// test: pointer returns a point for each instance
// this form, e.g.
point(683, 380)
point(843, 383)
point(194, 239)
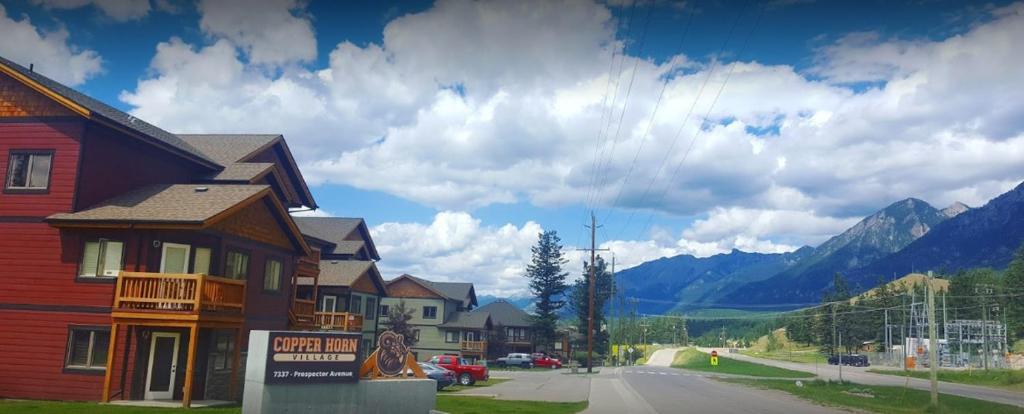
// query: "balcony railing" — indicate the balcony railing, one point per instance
point(338, 321)
point(179, 293)
point(474, 346)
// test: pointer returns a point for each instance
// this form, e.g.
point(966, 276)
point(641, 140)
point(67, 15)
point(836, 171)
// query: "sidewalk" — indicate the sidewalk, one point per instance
point(610, 394)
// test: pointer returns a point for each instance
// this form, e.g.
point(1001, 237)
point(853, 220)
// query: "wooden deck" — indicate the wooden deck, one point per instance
point(182, 297)
point(473, 347)
point(338, 321)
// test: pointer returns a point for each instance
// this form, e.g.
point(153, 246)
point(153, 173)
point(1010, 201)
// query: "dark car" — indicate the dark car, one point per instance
point(854, 360)
point(443, 376)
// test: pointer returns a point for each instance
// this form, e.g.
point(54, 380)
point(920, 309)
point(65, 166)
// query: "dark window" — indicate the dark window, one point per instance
point(101, 258)
point(272, 276)
point(224, 350)
point(430, 312)
point(384, 310)
point(87, 348)
point(29, 170)
point(236, 265)
point(357, 305)
point(451, 336)
point(371, 308)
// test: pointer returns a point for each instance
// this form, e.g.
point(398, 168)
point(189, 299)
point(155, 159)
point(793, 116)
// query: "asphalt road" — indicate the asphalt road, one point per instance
point(668, 390)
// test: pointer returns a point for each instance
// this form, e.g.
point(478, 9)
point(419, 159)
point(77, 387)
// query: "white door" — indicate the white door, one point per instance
point(329, 304)
point(163, 362)
point(175, 258)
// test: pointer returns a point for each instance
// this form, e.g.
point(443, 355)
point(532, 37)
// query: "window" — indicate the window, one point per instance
point(516, 334)
point(384, 311)
point(29, 170)
point(101, 258)
point(224, 350)
point(416, 334)
point(201, 263)
point(236, 265)
point(558, 345)
point(430, 312)
point(371, 308)
point(87, 348)
point(272, 277)
point(451, 336)
point(357, 305)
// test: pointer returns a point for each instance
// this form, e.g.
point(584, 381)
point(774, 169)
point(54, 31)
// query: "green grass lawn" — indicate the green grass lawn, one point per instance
point(495, 368)
point(879, 399)
point(1004, 378)
point(803, 357)
point(456, 387)
point(60, 407)
point(480, 405)
point(693, 359)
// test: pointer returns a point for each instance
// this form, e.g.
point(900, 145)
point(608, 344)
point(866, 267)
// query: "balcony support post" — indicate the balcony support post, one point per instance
point(236, 360)
point(190, 363)
point(109, 374)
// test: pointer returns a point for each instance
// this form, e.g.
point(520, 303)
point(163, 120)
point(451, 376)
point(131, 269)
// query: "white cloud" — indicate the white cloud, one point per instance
point(469, 104)
point(270, 31)
point(118, 10)
point(455, 247)
point(50, 52)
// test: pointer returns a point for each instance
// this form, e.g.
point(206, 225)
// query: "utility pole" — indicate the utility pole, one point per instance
point(592, 281)
point(611, 311)
point(933, 343)
point(984, 326)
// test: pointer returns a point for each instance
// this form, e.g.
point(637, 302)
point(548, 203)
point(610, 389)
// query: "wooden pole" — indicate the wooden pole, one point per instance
point(590, 307)
point(186, 401)
point(108, 376)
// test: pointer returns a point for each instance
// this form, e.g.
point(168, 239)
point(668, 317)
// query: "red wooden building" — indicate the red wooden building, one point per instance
point(134, 261)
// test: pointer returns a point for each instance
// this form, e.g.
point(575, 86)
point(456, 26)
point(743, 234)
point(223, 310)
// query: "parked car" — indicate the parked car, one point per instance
point(465, 373)
point(516, 360)
point(546, 361)
point(854, 360)
point(443, 376)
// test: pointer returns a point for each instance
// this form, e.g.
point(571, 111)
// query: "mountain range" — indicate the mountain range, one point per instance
point(906, 236)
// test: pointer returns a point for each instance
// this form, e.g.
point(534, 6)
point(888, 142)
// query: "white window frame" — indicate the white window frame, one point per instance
point(90, 364)
point(101, 259)
point(334, 303)
point(163, 256)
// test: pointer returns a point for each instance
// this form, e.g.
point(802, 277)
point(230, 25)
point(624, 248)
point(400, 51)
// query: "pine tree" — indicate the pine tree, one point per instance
point(580, 301)
point(398, 322)
point(547, 283)
point(1013, 284)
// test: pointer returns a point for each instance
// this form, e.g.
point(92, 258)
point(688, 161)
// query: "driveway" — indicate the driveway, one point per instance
point(555, 386)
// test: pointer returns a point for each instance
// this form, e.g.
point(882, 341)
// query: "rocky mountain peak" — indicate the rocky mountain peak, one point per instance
point(954, 209)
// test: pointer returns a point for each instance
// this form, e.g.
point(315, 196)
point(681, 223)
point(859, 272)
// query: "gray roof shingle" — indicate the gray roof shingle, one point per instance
point(166, 203)
point(228, 148)
point(459, 291)
point(467, 320)
point(343, 272)
point(334, 230)
point(157, 136)
point(504, 313)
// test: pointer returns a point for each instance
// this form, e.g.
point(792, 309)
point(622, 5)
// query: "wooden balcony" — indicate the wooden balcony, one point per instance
point(182, 297)
point(302, 314)
point(473, 347)
point(338, 321)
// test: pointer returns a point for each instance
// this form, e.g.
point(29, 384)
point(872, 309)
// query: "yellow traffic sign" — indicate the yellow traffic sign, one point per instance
point(714, 361)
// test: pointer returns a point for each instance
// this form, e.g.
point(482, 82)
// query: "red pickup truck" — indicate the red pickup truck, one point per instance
point(465, 373)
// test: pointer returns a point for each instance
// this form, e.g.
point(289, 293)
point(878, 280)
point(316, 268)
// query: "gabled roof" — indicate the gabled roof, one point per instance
point(236, 153)
point(335, 230)
point(167, 203)
point(94, 109)
point(504, 313)
point(468, 320)
point(179, 206)
point(459, 291)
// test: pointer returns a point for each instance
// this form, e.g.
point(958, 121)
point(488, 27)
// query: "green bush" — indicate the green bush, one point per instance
point(1018, 347)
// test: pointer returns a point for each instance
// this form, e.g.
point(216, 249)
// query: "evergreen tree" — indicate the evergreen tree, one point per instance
point(1013, 285)
point(398, 322)
point(547, 283)
point(580, 301)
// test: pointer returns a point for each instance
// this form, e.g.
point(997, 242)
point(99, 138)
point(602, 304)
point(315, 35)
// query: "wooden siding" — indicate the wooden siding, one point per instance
point(113, 164)
point(256, 222)
point(61, 136)
point(364, 283)
point(18, 100)
point(32, 351)
point(406, 288)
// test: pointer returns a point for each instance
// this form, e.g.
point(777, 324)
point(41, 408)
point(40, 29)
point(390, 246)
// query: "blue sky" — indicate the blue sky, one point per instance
point(459, 129)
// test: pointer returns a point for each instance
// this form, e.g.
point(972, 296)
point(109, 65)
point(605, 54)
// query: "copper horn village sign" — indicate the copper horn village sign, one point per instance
point(391, 359)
